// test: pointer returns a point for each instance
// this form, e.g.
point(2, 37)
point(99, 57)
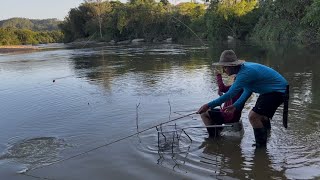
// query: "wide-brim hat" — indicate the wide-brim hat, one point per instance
point(228, 58)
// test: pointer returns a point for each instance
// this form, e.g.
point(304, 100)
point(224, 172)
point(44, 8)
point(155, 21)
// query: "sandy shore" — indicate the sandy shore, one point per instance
point(18, 49)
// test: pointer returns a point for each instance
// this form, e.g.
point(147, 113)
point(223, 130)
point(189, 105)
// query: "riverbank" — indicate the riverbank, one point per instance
point(18, 49)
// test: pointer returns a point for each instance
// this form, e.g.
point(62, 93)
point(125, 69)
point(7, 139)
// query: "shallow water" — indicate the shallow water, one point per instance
point(74, 114)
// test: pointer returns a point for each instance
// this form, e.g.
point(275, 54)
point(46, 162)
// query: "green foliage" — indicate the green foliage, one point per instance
point(311, 33)
point(165, 2)
point(192, 10)
point(26, 36)
point(137, 19)
point(284, 21)
point(312, 17)
point(232, 8)
point(31, 24)
point(122, 20)
point(281, 20)
point(16, 31)
point(232, 18)
point(7, 37)
point(14, 36)
point(262, 20)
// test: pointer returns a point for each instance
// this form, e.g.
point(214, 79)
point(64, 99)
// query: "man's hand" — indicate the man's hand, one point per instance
point(203, 109)
point(229, 109)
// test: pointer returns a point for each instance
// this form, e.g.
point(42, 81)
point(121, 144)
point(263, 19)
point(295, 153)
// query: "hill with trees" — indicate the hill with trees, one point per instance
point(17, 31)
point(31, 24)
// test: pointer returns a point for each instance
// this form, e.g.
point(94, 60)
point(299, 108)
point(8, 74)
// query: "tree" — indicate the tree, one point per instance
point(99, 9)
point(234, 18)
point(165, 2)
point(281, 20)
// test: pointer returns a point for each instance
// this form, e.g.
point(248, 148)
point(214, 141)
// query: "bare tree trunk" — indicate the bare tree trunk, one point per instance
point(100, 26)
point(100, 16)
point(98, 13)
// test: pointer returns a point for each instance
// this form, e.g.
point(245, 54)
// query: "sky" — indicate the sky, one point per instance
point(37, 9)
point(42, 9)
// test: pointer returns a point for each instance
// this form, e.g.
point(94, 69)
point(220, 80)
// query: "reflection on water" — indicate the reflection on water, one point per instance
point(88, 97)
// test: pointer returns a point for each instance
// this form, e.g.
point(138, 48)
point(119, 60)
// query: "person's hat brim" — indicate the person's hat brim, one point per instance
point(235, 63)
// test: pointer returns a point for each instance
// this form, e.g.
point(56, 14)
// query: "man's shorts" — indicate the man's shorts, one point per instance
point(268, 103)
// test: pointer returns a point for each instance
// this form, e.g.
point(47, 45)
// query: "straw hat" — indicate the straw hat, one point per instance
point(228, 58)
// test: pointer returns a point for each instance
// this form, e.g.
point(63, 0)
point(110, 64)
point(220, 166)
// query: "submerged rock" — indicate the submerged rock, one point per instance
point(138, 40)
point(124, 42)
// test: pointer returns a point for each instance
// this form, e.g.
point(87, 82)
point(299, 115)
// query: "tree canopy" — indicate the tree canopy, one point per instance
point(103, 20)
point(31, 24)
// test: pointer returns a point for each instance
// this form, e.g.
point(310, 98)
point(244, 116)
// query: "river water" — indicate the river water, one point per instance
point(75, 113)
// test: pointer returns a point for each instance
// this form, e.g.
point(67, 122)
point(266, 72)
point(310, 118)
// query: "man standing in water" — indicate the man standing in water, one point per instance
point(252, 77)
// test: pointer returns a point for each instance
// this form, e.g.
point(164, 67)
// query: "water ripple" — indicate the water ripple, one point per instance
point(35, 151)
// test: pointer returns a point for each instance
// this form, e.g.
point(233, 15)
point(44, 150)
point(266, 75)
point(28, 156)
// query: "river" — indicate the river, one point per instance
point(75, 113)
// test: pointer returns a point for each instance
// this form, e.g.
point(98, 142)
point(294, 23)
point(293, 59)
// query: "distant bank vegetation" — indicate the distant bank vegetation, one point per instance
point(16, 31)
point(261, 20)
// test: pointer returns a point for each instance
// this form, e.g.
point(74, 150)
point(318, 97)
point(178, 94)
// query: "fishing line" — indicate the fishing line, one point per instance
point(192, 110)
point(123, 138)
point(107, 144)
point(190, 30)
point(88, 40)
point(36, 177)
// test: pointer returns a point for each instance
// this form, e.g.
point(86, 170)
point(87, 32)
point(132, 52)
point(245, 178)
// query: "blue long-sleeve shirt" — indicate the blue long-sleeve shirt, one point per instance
point(252, 77)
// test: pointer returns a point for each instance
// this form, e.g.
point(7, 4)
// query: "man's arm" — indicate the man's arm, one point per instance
point(233, 91)
point(242, 81)
point(243, 98)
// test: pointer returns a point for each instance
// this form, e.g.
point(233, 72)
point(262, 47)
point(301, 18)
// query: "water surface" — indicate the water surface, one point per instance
point(61, 103)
